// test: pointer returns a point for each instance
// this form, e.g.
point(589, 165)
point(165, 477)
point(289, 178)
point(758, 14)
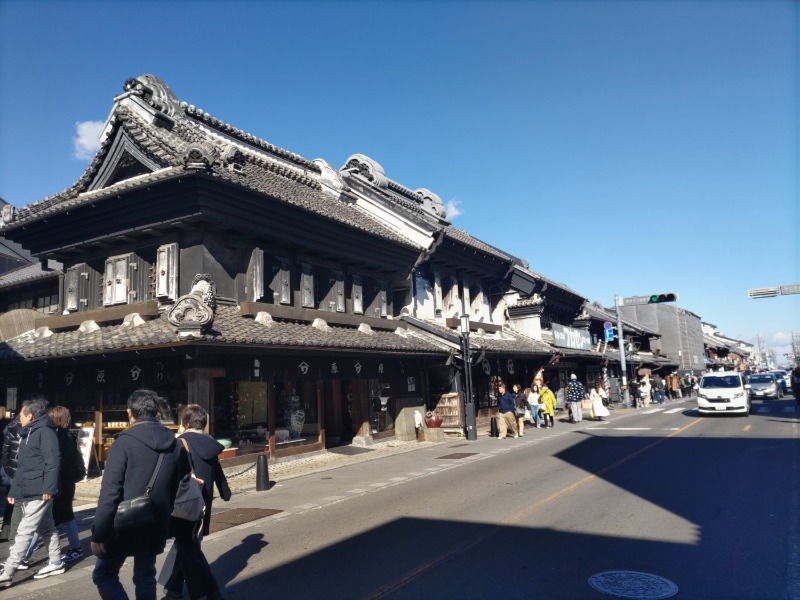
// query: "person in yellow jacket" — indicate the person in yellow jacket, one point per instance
point(548, 404)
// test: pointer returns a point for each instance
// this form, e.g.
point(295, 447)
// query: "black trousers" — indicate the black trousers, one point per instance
point(190, 559)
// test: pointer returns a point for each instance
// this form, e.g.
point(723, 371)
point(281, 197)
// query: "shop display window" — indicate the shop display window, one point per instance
point(381, 406)
point(297, 413)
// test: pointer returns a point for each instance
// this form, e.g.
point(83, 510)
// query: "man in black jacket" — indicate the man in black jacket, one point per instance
point(131, 462)
point(34, 485)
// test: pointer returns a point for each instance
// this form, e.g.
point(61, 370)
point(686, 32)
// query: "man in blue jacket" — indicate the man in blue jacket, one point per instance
point(131, 463)
point(34, 485)
point(505, 413)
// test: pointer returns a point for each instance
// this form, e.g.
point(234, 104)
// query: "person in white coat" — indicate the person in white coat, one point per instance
point(644, 390)
point(597, 395)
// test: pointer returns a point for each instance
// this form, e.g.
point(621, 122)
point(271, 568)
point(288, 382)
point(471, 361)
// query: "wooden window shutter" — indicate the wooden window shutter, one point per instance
point(285, 282)
point(340, 300)
point(167, 271)
point(358, 296)
point(115, 282)
point(71, 288)
point(382, 297)
point(255, 275)
point(307, 286)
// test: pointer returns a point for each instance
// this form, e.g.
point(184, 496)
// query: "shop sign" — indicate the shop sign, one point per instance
point(567, 337)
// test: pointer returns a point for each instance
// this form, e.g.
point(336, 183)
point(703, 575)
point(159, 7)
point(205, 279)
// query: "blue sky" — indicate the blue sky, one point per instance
point(621, 147)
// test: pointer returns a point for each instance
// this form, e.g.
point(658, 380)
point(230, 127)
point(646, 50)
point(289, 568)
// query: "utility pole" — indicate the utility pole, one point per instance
point(626, 393)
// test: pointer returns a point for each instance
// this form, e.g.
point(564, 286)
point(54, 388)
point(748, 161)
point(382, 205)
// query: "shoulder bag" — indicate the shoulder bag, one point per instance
point(140, 511)
point(189, 504)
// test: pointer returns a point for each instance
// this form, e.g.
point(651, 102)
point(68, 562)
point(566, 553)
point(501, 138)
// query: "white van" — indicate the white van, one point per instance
point(723, 392)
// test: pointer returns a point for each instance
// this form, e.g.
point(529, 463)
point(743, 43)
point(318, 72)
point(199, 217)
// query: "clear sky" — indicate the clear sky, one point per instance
point(621, 147)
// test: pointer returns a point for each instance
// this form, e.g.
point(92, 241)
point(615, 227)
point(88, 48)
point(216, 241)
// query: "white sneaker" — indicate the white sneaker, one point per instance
point(50, 569)
point(5, 580)
point(23, 565)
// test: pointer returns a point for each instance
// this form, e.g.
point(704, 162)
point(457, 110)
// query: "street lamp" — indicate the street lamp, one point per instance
point(470, 423)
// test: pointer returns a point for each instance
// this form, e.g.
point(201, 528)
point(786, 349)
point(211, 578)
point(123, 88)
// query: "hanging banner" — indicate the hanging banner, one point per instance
point(85, 436)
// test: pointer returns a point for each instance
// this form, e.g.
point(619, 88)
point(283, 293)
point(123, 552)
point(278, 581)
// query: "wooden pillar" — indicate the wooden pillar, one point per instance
point(361, 424)
point(199, 388)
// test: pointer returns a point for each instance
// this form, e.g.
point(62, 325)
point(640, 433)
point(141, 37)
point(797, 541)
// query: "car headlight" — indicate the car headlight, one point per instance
point(702, 396)
point(738, 395)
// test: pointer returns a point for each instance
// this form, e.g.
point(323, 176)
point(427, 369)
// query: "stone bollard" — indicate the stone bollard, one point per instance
point(262, 473)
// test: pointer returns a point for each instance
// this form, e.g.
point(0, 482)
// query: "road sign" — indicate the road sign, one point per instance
point(608, 325)
point(763, 292)
point(632, 300)
point(790, 289)
point(609, 335)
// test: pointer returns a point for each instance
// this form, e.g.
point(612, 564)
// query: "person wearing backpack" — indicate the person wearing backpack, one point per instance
point(190, 566)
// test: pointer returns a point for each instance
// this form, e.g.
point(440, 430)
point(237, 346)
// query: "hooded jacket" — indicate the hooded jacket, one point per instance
point(205, 450)
point(131, 462)
point(38, 461)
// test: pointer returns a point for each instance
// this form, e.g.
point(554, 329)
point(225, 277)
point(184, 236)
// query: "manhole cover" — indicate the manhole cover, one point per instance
point(457, 455)
point(238, 516)
point(633, 584)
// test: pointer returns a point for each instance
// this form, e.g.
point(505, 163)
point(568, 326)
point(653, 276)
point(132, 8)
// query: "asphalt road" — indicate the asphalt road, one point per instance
point(707, 506)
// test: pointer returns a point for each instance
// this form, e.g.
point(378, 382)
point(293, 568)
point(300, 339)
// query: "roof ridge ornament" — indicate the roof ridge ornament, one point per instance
point(332, 181)
point(156, 93)
point(432, 203)
point(371, 170)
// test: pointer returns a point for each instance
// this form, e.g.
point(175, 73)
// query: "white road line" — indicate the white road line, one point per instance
point(331, 499)
point(652, 411)
point(377, 485)
point(398, 479)
point(674, 410)
point(631, 428)
point(357, 491)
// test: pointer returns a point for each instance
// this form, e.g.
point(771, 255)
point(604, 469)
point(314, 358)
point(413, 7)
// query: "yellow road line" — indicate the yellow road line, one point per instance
point(427, 566)
point(747, 428)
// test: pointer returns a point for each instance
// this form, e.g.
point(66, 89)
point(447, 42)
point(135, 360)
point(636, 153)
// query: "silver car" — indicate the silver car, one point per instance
point(764, 385)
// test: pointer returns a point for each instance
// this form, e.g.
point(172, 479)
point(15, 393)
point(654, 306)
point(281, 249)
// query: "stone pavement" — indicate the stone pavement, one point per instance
point(243, 478)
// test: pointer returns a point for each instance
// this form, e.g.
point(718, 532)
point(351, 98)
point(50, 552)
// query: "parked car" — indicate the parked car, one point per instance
point(783, 380)
point(723, 391)
point(765, 385)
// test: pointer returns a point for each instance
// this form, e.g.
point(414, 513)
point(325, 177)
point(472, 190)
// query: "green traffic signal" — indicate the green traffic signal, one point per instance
point(659, 298)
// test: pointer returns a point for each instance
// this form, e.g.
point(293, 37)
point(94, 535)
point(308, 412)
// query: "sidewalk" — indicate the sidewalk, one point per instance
point(243, 478)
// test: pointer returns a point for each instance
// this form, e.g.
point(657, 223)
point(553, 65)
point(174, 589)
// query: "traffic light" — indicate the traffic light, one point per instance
point(659, 298)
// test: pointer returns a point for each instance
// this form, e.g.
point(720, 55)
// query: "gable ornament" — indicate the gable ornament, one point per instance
point(194, 312)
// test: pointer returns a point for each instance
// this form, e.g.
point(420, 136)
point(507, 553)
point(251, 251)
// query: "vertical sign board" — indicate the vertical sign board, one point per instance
point(85, 437)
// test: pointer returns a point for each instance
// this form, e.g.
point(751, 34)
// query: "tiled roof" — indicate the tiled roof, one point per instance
point(506, 341)
point(548, 281)
point(228, 327)
point(29, 273)
point(473, 242)
point(265, 168)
